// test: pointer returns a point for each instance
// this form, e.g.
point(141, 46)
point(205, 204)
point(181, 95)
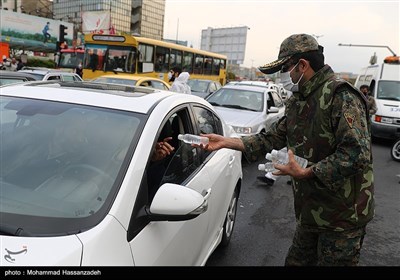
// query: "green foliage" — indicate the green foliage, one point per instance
point(36, 62)
point(230, 76)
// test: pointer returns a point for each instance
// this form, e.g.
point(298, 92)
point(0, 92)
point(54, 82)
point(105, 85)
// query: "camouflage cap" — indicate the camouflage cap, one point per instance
point(294, 44)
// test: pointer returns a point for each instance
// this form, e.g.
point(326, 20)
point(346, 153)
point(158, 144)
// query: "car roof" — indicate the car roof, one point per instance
point(246, 87)
point(127, 98)
point(253, 83)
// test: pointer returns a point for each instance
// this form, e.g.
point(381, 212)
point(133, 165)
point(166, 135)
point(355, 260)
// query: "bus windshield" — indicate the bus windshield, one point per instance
point(110, 58)
point(70, 58)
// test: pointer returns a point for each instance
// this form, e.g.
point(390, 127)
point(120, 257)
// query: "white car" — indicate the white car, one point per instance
point(46, 74)
point(283, 93)
point(78, 186)
point(249, 109)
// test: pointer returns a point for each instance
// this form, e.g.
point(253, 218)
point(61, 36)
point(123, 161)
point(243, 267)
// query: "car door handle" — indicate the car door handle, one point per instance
point(231, 160)
point(206, 194)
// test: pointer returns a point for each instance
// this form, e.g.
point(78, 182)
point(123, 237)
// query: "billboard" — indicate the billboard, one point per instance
point(22, 31)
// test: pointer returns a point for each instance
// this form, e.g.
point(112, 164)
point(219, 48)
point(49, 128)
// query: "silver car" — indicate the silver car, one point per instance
point(248, 109)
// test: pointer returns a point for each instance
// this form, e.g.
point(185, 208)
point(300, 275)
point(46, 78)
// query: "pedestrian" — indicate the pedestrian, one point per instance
point(326, 122)
point(174, 73)
point(20, 64)
point(371, 100)
point(78, 70)
point(6, 64)
point(46, 33)
point(14, 64)
point(180, 84)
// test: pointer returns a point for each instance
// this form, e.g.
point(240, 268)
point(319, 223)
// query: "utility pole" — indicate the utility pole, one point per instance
point(369, 46)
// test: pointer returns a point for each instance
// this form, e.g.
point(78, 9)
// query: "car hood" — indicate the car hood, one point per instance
point(236, 117)
point(40, 251)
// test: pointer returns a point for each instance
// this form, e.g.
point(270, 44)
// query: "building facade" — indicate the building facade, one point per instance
point(228, 41)
point(139, 17)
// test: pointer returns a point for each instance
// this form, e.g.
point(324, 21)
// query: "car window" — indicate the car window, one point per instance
point(68, 78)
point(54, 77)
point(277, 99)
point(207, 122)
point(65, 157)
point(158, 85)
point(184, 160)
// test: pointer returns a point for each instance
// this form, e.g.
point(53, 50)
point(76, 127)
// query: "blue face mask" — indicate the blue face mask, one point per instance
point(287, 81)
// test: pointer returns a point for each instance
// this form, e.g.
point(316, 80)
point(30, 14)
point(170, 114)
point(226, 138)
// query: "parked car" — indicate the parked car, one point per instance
point(46, 74)
point(133, 80)
point(11, 77)
point(284, 94)
point(249, 109)
point(79, 185)
point(203, 88)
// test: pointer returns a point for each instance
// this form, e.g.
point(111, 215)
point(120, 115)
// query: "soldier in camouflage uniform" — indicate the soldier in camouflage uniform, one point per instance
point(326, 122)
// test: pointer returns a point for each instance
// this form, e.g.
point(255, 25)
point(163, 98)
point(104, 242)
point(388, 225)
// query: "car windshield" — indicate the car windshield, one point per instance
point(118, 81)
point(238, 99)
point(198, 85)
point(389, 90)
point(60, 160)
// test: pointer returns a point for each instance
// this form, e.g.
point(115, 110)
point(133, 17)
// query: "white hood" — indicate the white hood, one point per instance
point(40, 251)
point(236, 117)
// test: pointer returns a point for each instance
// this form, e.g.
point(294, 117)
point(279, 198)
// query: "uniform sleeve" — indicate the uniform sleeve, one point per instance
point(353, 153)
point(256, 146)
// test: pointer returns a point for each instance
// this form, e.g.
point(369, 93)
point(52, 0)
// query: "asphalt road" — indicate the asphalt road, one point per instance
point(265, 220)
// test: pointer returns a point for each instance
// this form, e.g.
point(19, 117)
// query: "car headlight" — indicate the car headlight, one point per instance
point(242, 130)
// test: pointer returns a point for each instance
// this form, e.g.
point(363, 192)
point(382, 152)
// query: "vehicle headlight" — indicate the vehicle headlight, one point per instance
point(242, 130)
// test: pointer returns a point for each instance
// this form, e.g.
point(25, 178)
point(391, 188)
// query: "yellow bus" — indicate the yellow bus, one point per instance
point(107, 54)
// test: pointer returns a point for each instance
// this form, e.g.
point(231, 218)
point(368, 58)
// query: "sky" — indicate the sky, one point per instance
point(356, 22)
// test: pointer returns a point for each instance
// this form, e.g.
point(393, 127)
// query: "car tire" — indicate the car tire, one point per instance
point(395, 150)
point(230, 218)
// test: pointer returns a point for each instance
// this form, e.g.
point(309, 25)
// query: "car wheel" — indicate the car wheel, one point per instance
point(395, 150)
point(230, 219)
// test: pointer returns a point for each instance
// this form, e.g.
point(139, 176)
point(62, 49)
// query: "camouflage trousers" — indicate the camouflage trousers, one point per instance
point(325, 248)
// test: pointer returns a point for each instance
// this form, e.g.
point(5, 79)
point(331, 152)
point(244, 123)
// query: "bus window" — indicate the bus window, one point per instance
point(216, 64)
point(146, 63)
point(207, 66)
point(198, 64)
point(187, 62)
point(176, 59)
point(162, 55)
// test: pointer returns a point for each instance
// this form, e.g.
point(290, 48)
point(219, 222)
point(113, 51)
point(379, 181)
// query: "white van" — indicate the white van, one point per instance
point(384, 82)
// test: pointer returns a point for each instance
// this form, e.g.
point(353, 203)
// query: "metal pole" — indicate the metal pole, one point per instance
point(372, 46)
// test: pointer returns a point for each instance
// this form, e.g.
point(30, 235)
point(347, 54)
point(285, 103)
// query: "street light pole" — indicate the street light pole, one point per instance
point(370, 46)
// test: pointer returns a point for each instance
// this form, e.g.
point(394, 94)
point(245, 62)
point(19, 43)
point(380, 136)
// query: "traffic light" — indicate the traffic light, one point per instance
point(63, 33)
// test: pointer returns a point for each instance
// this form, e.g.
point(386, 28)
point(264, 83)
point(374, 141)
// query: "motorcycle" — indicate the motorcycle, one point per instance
point(395, 150)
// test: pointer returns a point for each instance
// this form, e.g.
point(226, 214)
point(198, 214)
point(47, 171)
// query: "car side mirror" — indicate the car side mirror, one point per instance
point(273, 109)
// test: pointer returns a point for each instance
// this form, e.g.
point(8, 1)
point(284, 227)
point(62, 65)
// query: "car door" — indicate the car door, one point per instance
point(220, 166)
point(172, 242)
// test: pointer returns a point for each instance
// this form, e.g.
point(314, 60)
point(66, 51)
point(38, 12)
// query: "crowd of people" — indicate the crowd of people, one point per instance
point(13, 64)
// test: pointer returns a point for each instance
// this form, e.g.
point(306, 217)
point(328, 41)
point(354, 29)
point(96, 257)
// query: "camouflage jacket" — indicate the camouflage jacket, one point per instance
point(327, 123)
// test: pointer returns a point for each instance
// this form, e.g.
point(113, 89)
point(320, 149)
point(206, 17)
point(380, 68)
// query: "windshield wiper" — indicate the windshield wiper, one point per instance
point(235, 106)
point(13, 230)
point(215, 104)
